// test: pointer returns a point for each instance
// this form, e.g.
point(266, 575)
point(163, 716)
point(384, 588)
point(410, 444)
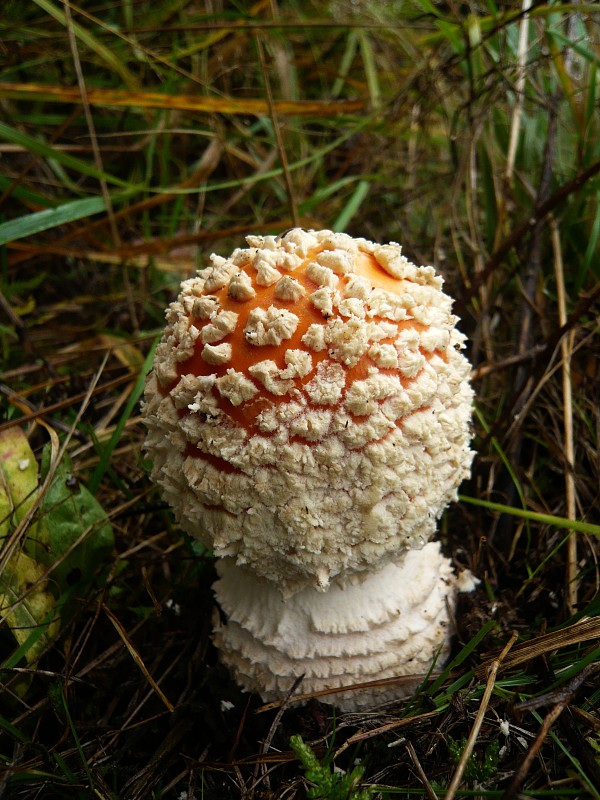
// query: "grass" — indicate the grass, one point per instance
point(135, 139)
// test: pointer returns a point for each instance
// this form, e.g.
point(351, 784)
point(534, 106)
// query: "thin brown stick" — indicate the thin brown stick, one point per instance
point(537, 214)
point(489, 688)
point(56, 454)
point(90, 121)
point(32, 413)
point(277, 131)
point(261, 773)
point(398, 680)
point(521, 773)
point(153, 247)
point(137, 658)
point(566, 348)
point(421, 772)
point(372, 733)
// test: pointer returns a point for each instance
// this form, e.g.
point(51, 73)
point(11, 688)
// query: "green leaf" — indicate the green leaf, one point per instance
point(459, 659)
point(67, 541)
point(77, 536)
point(50, 218)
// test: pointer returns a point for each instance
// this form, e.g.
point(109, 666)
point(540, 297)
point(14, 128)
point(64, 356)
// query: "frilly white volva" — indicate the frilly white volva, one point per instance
point(308, 419)
point(390, 623)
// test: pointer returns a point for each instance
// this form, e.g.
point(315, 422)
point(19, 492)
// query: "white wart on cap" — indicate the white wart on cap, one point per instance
point(309, 409)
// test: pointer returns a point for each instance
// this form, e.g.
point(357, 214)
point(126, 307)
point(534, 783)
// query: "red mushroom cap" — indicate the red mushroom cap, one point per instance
point(309, 408)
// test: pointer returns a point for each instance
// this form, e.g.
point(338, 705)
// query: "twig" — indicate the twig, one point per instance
point(510, 361)
point(563, 697)
point(563, 694)
point(539, 213)
point(371, 733)
point(523, 377)
point(137, 658)
point(266, 745)
point(584, 305)
point(566, 348)
point(90, 121)
point(421, 772)
point(57, 453)
point(396, 680)
point(457, 777)
point(33, 413)
point(277, 131)
point(521, 773)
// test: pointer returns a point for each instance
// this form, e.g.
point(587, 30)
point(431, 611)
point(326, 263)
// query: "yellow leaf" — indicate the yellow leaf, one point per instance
point(27, 606)
point(18, 478)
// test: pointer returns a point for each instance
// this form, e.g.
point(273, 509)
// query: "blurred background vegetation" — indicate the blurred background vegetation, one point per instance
point(135, 139)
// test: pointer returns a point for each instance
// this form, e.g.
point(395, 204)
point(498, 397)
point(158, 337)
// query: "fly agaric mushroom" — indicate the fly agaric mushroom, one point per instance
point(308, 419)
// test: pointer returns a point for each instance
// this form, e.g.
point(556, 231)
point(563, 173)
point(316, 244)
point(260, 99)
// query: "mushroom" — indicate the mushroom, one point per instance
point(308, 419)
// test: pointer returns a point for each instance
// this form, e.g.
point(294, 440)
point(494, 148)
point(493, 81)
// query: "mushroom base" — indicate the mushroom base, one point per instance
point(394, 623)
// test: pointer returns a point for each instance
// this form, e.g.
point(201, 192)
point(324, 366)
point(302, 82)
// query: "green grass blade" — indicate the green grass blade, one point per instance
point(534, 516)
point(577, 766)
point(107, 451)
point(591, 97)
point(76, 739)
point(346, 63)
point(39, 148)
point(570, 672)
point(503, 457)
point(370, 66)
point(429, 7)
point(352, 206)
point(591, 251)
point(88, 39)
point(26, 194)
point(462, 656)
point(35, 637)
point(9, 728)
point(49, 218)
point(578, 48)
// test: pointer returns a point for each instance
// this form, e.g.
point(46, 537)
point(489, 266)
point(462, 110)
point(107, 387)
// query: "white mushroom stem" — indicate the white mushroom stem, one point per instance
point(390, 623)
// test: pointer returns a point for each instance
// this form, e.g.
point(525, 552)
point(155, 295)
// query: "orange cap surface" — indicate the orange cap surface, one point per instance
point(314, 294)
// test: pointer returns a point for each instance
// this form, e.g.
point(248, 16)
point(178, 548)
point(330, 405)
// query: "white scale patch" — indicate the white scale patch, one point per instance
point(270, 326)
